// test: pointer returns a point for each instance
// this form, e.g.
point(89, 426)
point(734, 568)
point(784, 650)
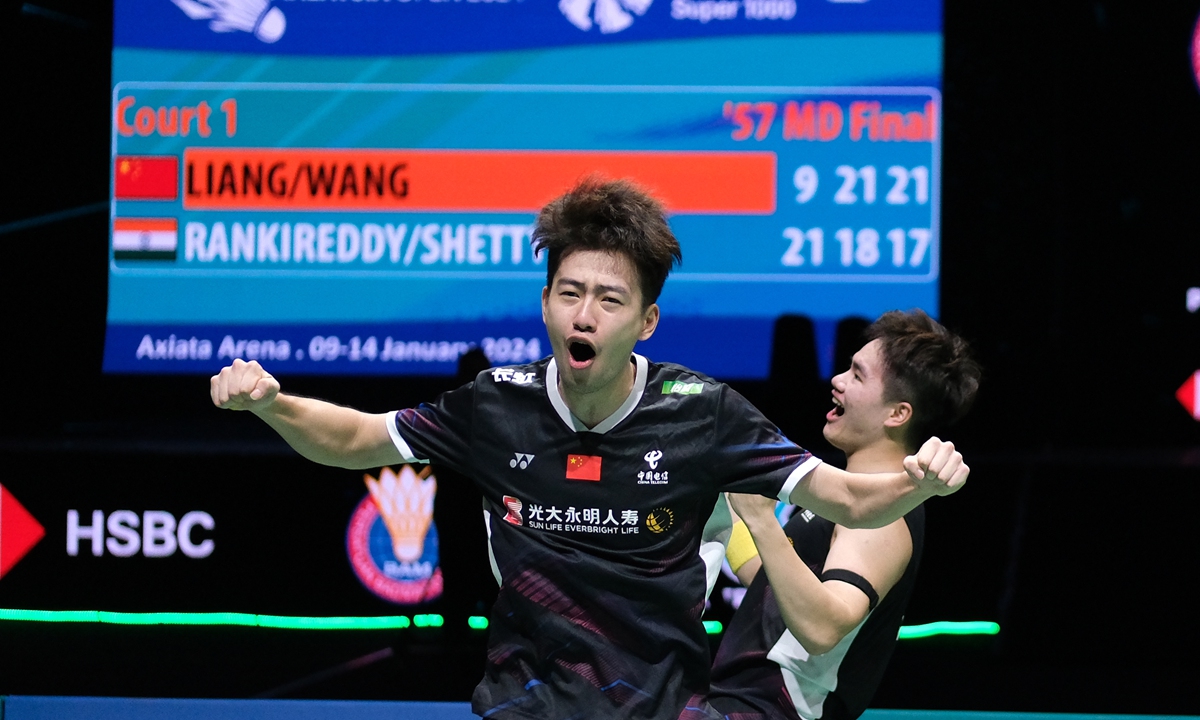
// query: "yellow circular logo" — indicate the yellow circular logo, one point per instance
point(659, 520)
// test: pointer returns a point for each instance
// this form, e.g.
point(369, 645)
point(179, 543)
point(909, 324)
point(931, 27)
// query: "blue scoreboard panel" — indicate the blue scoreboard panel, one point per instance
point(336, 187)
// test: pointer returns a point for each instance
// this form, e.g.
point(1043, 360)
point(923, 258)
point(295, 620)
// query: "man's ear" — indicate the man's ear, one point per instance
point(545, 299)
point(899, 416)
point(650, 322)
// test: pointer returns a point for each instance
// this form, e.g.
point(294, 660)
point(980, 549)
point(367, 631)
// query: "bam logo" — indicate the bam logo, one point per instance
point(19, 531)
point(610, 15)
point(392, 540)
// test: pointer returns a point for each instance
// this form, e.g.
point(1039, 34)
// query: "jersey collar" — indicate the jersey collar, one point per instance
point(560, 405)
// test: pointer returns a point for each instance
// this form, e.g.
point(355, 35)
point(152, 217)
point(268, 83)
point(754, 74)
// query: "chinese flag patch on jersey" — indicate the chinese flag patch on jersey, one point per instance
point(583, 467)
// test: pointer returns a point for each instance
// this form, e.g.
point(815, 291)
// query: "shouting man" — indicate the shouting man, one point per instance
point(599, 471)
point(815, 630)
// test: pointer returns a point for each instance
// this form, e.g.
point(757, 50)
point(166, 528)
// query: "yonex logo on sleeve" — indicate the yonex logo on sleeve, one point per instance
point(513, 376)
point(521, 460)
point(674, 387)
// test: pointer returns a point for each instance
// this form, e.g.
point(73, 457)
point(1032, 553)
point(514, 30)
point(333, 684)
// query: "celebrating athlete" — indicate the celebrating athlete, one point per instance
point(814, 631)
point(599, 471)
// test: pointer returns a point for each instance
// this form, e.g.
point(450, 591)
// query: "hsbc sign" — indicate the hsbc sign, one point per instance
point(123, 533)
point(137, 541)
point(154, 533)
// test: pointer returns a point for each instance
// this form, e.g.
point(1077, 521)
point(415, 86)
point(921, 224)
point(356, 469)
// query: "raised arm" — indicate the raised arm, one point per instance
point(821, 613)
point(865, 500)
point(320, 431)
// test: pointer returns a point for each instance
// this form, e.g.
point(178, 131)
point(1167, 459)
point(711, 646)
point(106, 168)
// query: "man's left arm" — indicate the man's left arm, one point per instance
point(873, 500)
point(861, 567)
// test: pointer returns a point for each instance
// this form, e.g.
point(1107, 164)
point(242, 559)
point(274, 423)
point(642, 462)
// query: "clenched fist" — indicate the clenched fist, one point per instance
point(937, 467)
point(243, 386)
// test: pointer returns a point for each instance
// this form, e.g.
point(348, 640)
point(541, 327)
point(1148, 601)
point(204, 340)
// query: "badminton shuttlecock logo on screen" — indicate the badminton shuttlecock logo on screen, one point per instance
point(405, 502)
point(609, 15)
point(392, 541)
point(253, 16)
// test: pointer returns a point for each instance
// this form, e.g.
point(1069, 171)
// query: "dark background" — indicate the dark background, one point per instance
point(1071, 230)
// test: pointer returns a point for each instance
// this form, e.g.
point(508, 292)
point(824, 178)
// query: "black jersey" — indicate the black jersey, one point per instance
point(597, 537)
point(762, 671)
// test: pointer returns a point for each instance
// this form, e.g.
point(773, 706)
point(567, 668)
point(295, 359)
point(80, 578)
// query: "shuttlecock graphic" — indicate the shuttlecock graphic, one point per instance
point(405, 502)
point(610, 15)
point(253, 16)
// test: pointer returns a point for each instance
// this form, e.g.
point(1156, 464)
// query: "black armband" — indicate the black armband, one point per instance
point(854, 579)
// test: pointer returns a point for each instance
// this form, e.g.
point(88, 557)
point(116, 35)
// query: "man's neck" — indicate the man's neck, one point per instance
point(593, 408)
point(880, 457)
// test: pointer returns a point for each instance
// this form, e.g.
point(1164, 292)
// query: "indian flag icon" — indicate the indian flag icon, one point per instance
point(145, 238)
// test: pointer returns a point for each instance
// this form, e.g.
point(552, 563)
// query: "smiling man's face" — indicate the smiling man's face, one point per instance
point(862, 414)
point(594, 316)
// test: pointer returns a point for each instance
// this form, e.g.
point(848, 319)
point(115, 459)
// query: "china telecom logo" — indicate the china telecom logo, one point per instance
point(610, 15)
point(392, 541)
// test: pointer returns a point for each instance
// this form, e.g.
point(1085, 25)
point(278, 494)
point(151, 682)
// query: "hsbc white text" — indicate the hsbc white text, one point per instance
point(159, 534)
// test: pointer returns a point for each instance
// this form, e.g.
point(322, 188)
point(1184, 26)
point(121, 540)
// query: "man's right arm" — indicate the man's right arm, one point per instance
point(874, 500)
point(320, 431)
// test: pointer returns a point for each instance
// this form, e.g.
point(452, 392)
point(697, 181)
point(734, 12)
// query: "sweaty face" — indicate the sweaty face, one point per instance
point(594, 316)
point(859, 412)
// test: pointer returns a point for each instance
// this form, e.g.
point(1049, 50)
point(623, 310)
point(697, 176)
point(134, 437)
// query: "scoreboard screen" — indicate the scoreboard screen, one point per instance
point(349, 187)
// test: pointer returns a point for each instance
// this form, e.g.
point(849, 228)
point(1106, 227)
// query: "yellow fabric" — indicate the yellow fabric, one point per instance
point(740, 549)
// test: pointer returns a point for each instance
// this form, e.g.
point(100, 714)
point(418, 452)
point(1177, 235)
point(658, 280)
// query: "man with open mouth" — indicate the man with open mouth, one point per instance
point(824, 602)
point(600, 473)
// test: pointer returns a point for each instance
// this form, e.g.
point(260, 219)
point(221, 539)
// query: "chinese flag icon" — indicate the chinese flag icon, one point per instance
point(146, 177)
point(583, 467)
point(19, 531)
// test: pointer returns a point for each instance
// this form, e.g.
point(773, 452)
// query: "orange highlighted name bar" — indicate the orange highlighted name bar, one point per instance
point(467, 180)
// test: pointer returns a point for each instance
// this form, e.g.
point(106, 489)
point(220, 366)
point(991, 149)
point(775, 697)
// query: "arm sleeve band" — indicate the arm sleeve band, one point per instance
point(801, 471)
point(397, 440)
point(854, 579)
point(741, 547)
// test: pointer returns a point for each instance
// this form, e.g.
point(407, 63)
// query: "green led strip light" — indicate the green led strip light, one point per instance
point(426, 620)
point(391, 622)
point(243, 619)
point(913, 632)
